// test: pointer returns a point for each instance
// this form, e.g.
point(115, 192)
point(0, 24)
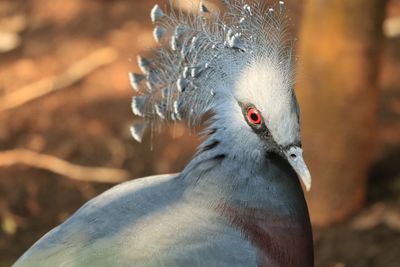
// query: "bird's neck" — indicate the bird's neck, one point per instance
point(246, 180)
point(264, 200)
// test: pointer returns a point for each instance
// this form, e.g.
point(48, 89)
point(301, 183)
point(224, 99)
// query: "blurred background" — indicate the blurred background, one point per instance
point(65, 114)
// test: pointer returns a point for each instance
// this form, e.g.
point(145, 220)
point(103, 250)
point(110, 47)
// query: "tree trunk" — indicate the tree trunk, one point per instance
point(339, 53)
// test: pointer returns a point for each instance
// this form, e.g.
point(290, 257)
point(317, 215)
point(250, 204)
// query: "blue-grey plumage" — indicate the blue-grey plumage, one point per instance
point(239, 201)
point(197, 218)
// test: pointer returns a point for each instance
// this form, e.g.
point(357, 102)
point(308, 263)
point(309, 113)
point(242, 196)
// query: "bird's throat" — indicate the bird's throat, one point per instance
point(274, 217)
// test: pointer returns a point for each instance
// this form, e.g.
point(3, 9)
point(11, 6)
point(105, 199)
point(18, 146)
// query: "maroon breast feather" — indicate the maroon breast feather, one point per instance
point(281, 240)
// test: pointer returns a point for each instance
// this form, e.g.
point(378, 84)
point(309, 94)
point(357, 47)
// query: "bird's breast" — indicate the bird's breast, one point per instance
point(279, 239)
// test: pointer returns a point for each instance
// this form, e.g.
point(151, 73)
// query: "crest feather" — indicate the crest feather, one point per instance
point(201, 55)
point(138, 130)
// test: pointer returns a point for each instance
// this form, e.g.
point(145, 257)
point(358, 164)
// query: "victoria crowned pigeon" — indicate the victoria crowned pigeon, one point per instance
point(239, 201)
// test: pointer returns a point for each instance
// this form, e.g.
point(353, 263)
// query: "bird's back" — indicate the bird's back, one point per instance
point(147, 222)
point(108, 214)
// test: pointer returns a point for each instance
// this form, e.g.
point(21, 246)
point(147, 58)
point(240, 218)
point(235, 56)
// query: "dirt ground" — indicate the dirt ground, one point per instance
point(87, 124)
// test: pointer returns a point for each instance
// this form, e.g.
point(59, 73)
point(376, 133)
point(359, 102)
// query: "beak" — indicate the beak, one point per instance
point(294, 156)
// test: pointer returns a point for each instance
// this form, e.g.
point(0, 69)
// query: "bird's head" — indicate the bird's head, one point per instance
point(261, 116)
point(238, 67)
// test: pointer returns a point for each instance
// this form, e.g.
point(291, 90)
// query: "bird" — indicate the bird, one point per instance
point(239, 201)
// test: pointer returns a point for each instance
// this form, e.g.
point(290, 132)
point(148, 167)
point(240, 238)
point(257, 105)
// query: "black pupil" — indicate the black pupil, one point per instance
point(254, 116)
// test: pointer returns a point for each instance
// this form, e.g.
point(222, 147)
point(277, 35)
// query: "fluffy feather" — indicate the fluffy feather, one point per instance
point(202, 56)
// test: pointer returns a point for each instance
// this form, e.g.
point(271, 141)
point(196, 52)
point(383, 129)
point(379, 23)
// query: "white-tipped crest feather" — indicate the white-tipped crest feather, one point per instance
point(144, 65)
point(206, 56)
point(156, 14)
point(135, 80)
point(138, 130)
point(139, 105)
point(158, 33)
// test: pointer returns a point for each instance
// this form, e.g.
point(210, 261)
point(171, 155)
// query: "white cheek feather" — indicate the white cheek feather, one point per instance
point(270, 89)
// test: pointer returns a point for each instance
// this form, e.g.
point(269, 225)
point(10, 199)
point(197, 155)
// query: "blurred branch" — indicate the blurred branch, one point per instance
point(62, 167)
point(392, 27)
point(10, 29)
point(47, 85)
point(378, 214)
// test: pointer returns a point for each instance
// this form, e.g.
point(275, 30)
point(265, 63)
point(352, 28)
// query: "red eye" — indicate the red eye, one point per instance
point(253, 116)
